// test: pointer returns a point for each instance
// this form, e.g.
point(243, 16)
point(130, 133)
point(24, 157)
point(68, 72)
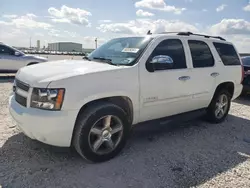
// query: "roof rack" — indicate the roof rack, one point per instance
point(190, 33)
point(149, 32)
point(206, 36)
point(171, 32)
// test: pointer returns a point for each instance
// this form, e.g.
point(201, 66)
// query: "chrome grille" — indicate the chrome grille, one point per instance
point(21, 92)
point(22, 86)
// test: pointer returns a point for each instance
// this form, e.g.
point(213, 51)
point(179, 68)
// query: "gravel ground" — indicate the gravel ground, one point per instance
point(191, 154)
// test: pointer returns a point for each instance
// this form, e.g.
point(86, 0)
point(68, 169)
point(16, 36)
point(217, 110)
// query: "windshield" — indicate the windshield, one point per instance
point(16, 50)
point(246, 61)
point(121, 51)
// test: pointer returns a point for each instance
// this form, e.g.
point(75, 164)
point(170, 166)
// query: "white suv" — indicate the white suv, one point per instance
point(92, 104)
point(12, 59)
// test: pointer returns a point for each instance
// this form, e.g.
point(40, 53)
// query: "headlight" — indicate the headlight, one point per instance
point(47, 99)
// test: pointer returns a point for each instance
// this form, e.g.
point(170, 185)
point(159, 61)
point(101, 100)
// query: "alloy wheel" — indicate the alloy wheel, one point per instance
point(221, 106)
point(105, 134)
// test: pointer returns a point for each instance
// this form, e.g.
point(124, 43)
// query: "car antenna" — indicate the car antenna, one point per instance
point(149, 32)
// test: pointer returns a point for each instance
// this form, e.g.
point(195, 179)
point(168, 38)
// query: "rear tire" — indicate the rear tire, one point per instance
point(219, 107)
point(101, 132)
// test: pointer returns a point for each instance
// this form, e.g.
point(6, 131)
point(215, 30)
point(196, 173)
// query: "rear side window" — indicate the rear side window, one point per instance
point(201, 54)
point(246, 61)
point(227, 54)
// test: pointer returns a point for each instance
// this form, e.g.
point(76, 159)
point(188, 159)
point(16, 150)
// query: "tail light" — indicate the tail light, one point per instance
point(242, 74)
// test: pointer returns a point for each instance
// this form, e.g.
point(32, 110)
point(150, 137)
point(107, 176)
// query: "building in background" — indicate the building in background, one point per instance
point(65, 47)
point(38, 44)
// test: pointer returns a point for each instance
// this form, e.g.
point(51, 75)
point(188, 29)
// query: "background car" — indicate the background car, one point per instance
point(12, 59)
point(246, 81)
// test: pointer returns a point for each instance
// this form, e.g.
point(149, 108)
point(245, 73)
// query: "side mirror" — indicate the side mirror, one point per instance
point(17, 53)
point(160, 62)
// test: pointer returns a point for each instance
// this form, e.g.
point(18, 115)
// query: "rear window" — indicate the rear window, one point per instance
point(227, 54)
point(246, 61)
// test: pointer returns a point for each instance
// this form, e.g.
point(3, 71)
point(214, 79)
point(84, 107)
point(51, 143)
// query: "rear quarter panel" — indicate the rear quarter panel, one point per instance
point(232, 73)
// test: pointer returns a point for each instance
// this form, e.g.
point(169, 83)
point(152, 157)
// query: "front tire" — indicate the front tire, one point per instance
point(101, 132)
point(219, 107)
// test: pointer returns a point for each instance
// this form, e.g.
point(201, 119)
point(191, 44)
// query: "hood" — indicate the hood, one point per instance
point(56, 70)
point(33, 57)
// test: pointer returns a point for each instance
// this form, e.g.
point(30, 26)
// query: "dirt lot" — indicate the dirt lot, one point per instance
point(193, 154)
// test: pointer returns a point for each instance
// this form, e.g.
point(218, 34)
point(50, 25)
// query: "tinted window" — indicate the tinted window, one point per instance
point(174, 49)
point(201, 54)
point(227, 54)
point(246, 61)
point(4, 50)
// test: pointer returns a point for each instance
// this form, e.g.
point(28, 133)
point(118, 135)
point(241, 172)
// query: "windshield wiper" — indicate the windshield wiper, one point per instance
point(109, 61)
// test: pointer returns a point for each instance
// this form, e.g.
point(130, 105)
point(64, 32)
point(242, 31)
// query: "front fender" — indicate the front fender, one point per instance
point(79, 104)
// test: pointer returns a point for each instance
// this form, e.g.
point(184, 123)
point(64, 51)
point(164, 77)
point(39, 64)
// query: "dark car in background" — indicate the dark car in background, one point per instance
point(246, 81)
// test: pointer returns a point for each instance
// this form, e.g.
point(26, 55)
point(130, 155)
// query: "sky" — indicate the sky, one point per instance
point(84, 20)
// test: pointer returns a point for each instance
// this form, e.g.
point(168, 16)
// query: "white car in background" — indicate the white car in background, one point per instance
point(11, 59)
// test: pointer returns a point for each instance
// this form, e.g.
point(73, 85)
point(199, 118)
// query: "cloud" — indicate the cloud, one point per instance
point(30, 15)
point(242, 42)
point(70, 15)
point(13, 36)
point(204, 10)
point(9, 16)
point(221, 7)
point(158, 5)
point(141, 26)
point(247, 7)
point(26, 21)
point(231, 27)
point(17, 30)
point(142, 13)
point(105, 21)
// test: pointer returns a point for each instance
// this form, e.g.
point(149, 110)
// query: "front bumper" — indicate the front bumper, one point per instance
point(49, 127)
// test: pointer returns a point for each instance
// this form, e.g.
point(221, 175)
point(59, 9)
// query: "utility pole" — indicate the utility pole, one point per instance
point(30, 42)
point(95, 43)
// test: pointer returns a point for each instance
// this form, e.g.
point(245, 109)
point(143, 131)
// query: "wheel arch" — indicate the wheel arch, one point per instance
point(122, 101)
point(229, 86)
point(32, 63)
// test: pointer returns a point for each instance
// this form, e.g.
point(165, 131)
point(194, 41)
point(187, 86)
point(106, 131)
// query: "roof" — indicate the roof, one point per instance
point(190, 35)
point(186, 35)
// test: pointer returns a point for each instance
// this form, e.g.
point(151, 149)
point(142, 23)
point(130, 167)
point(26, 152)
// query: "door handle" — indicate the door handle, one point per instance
point(184, 78)
point(214, 74)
